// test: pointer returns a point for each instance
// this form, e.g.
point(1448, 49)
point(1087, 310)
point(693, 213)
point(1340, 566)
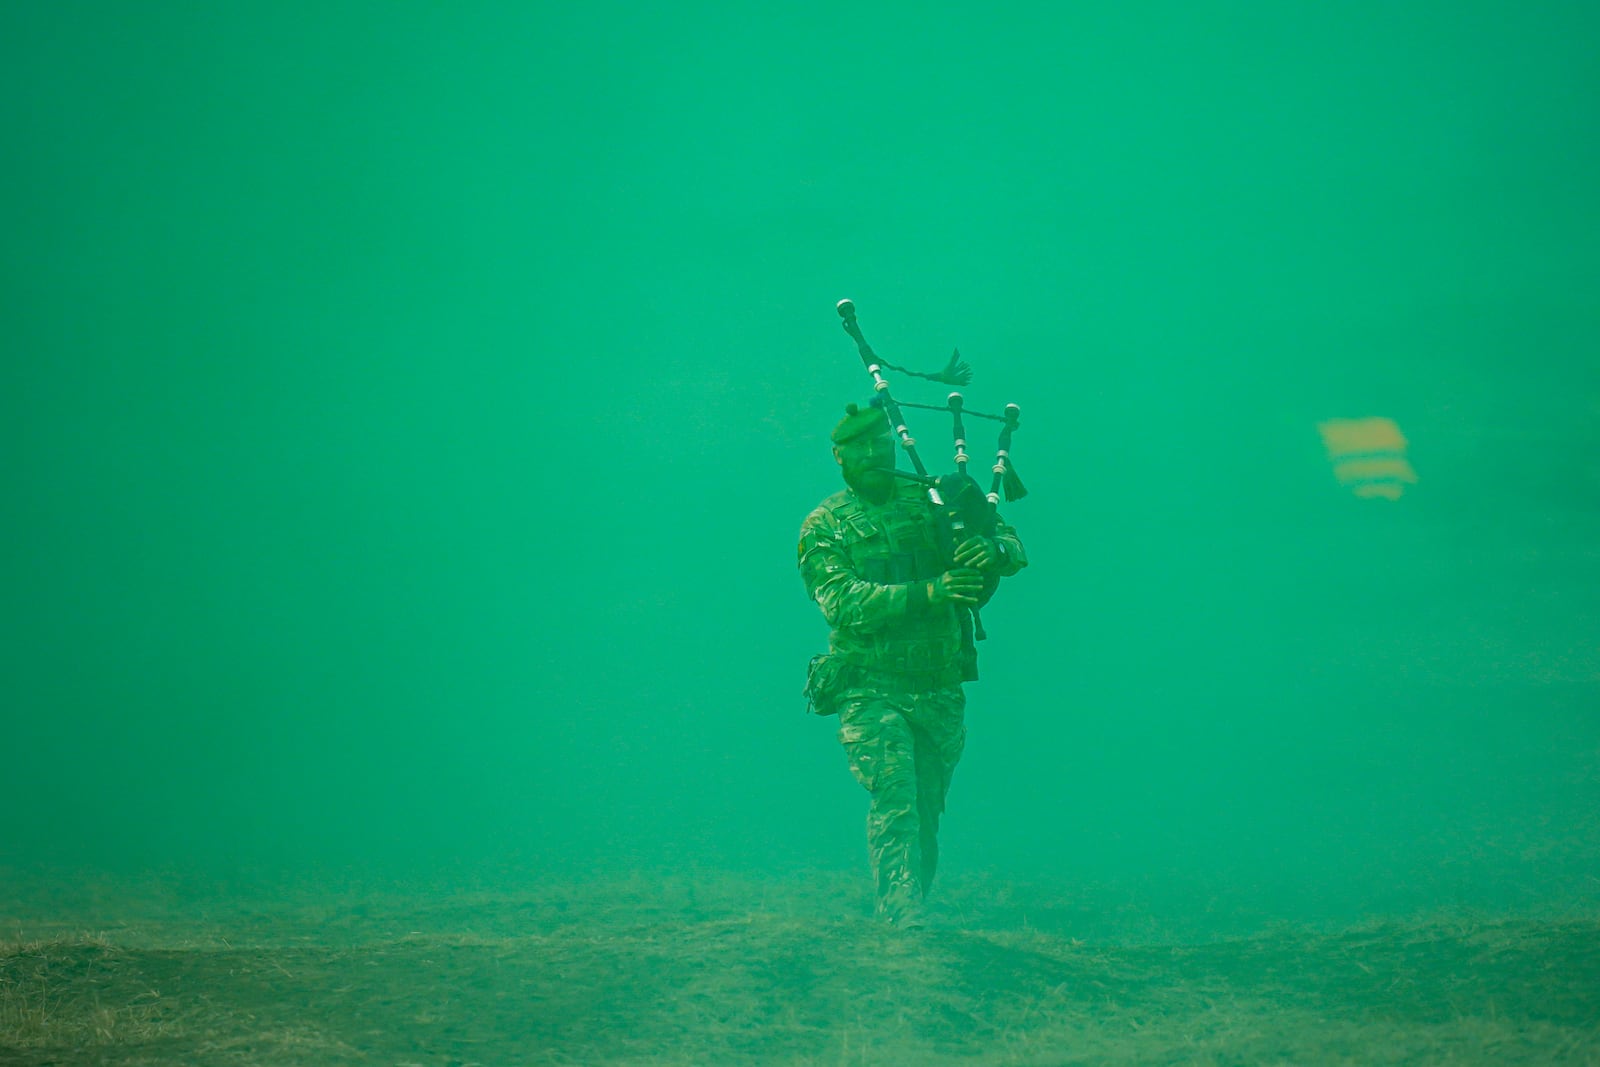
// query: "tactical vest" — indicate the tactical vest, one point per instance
point(893, 545)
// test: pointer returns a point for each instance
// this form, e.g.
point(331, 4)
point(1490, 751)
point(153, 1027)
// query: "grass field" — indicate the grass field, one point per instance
point(703, 969)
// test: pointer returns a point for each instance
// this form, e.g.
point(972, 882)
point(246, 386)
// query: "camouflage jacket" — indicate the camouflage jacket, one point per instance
point(866, 565)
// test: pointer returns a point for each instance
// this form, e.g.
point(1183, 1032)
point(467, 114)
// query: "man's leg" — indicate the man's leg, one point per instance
point(931, 783)
point(939, 733)
point(878, 741)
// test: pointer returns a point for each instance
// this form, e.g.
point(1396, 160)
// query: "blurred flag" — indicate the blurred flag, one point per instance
point(1368, 456)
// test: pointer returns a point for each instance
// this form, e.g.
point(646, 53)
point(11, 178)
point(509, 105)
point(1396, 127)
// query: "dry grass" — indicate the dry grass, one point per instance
point(681, 971)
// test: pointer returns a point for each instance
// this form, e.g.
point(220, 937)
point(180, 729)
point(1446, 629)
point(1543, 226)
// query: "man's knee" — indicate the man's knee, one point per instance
point(880, 746)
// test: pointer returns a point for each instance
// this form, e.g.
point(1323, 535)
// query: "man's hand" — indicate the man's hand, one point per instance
point(979, 553)
point(959, 585)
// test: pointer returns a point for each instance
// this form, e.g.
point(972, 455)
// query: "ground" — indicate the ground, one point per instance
point(689, 970)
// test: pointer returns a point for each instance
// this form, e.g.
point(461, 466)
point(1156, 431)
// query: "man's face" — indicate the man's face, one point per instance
point(866, 458)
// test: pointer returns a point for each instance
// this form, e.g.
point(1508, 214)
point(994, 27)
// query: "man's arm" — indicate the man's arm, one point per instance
point(1013, 557)
point(848, 601)
point(1002, 554)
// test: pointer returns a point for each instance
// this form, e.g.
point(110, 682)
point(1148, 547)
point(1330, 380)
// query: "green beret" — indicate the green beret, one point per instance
point(859, 422)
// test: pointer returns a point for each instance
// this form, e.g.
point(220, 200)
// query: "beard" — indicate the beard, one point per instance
point(870, 480)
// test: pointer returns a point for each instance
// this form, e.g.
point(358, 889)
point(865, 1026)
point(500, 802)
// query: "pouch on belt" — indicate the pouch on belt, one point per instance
point(826, 678)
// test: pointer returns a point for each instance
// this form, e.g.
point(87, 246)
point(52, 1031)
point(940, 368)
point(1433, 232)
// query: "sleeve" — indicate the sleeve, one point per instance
point(1016, 557)
point(847, 601)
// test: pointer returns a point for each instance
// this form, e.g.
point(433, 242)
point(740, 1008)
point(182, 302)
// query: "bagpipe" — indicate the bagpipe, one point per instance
point(961, 507)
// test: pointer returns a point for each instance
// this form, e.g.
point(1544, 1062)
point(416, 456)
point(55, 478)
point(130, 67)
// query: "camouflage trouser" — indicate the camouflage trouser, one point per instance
point(903, 747)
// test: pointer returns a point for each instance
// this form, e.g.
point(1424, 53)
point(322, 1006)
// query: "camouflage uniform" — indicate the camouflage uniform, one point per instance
point(892, 673)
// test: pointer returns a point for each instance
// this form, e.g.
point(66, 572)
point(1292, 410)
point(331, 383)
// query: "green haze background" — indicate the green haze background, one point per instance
point(410, 410)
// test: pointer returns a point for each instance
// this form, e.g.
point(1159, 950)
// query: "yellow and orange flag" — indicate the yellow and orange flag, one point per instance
point(1368, 456)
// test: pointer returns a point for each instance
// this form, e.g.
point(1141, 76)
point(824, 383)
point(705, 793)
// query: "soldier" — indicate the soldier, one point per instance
point(870, 556)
